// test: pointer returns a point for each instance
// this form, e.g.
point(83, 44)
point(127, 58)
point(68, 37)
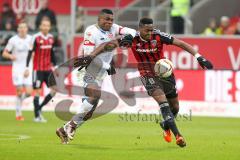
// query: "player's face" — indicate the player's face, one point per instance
point(45, 27)
point(146, 32)
point(22, 29)
point(105, 21)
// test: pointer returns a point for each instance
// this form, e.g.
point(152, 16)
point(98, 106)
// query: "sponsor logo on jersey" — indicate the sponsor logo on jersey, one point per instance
point(46, 46)
point(147, 50)
point(88, 43)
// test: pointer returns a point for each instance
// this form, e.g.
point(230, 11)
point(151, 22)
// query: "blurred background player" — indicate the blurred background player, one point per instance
point(43, 56)
point(95, 35)
point(147, 48)
point(17, 51)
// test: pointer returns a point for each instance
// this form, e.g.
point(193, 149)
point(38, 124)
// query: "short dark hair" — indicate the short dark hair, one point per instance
point(106, 11)
point(145, 21)
point(23, 21)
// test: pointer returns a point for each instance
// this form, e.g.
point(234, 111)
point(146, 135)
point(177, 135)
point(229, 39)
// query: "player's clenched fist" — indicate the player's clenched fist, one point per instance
point(204, 63)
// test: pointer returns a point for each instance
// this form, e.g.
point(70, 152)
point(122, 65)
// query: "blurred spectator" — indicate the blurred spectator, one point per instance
point(225, 28)
point(79, 21)
point(237, 32)
point(179, 9)
point(9, 32)
point(211, 29)
point(20, 17)
point(7, 16)
point(46, 12)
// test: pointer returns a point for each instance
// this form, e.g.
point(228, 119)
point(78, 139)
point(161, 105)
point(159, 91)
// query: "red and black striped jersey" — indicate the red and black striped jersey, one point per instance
point(147, 53)
point(43, 51)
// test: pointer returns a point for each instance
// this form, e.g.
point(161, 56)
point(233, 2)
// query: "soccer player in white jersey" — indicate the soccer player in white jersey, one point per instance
point(17, 50)
point(95, 36)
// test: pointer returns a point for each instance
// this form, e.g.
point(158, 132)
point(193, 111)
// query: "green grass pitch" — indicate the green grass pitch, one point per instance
point(109, 137)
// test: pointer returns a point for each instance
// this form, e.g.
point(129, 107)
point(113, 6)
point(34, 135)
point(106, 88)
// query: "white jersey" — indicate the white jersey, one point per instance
point(94, 36)
point(19, 47)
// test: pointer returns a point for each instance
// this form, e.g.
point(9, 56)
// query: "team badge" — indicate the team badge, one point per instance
point(41, 41)
point(89, 34)
point(153, 43)
point(51, 41)
point(110, 35)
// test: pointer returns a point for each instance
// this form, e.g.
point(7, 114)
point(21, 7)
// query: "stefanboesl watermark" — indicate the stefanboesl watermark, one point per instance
point(155, 118)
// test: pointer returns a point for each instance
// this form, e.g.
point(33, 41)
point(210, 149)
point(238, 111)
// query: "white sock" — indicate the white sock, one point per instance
point(83, 110)
point(18, 106)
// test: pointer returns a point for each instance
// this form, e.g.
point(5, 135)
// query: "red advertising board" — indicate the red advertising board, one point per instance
point(197, 85)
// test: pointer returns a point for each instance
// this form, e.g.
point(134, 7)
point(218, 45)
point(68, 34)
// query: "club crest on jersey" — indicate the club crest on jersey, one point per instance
point(110, 35)
point(153, 43)
point(51, 41)
point(41, 41)
point(89, 34)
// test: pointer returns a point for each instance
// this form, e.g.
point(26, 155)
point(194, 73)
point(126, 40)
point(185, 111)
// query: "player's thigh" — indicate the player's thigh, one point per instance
point(154, 88)
point(28, 89)
point(92, 86)
point(28, 82)
point(169, 87)
point(92, 90)
point(49, 79)
point(37, 79)
point(17, 77)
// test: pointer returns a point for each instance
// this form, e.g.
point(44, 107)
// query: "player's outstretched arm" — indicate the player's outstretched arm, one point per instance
point(204, 63)
point(85, 61)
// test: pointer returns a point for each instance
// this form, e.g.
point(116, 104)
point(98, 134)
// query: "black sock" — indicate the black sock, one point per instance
point(175, 111)
point(36, 106)
point(45, 101)
point(168, 118)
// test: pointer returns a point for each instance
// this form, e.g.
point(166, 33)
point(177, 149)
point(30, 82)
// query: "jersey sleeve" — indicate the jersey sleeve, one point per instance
point(124, 30)
point(166, 38)
point(88, 42)
point(9, 46)
point(33, 43)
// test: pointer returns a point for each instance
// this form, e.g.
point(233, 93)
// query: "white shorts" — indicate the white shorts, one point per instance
point(19, 79)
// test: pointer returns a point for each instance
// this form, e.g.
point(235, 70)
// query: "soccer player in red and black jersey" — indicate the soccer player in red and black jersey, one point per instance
point(147, 47)
point(43, 58)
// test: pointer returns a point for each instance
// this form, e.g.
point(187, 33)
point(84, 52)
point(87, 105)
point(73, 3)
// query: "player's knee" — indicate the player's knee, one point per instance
point(19, 92)
point(159, 95)
point(175, 110)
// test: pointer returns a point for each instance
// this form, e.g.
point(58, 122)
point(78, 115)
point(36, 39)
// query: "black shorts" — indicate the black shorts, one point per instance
point(42, 76)
point(168, 85)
